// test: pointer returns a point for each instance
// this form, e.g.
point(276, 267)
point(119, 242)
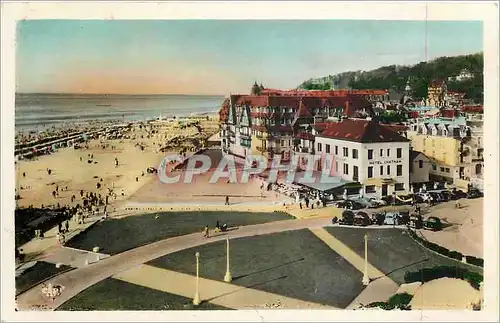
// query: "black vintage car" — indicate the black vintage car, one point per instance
point(458, 194)
point(361, 219)
point(348, 204)
point(433, 223)
point(474, 193)
point(347, 218)
point(378, 218)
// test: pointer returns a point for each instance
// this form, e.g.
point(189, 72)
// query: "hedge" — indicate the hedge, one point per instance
point(446, 252)
point(397, 301)
point(428, 274)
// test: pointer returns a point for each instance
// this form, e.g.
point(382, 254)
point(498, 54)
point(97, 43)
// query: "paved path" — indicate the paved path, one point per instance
point(352, 257)
point(380, 287)
point(216, 292)
point(80, 279)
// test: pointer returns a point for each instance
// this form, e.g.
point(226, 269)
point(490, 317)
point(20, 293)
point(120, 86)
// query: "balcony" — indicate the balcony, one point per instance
point(304, 150)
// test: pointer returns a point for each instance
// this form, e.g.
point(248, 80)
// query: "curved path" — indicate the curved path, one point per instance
point(80, 279)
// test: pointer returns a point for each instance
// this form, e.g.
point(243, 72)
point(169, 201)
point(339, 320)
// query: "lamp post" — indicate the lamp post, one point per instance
point(227, 276)
point(196, 300)
point(366, 279)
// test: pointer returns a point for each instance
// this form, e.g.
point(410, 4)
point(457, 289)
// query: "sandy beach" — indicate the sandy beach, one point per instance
point(73, 170)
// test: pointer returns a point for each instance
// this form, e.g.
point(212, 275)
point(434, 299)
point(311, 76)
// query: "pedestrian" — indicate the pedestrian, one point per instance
point(59, 227)
point(206, 232)
point(73, 198)
point(137, 179)
point(24, 174)
point(307, 202)
point(300, 204)
point(80, 158)
point(227, 200)
point(54, 194)
point(57, 188)
point(81, 193)
point(67, 226)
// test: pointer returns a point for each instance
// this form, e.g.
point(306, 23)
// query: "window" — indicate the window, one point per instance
point(355, 175)
point(399, 187)
point(370, 153)
point(346, 152)
point(388, 169)
point(355, 153)
point(381, 170)
point(399, 152)
point(370, 172)
point(447, 170)
point(282, 142)
point(319, 146)
point(399, 170)
point(388, 152)
point(337, 167)
point(370, 188)
point(327, 148)
point(346, 169)
point(478, 169)
point(420, 164)
point(336, 150)
point(381, 153)
point(434, 167)
point(441, 169)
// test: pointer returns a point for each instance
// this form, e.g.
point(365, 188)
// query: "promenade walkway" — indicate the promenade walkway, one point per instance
point(80, 279)
point(380, 287)
point(219, 293)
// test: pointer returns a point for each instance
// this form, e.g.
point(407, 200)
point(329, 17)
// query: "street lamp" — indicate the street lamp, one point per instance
point(196, 300)
point(227, 276)
point(366, 279)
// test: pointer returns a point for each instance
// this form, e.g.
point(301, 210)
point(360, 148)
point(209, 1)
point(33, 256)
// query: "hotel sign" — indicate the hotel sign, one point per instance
point(384, 162)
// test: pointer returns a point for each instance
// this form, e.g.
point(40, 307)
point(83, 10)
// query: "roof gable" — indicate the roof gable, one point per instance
point(363, 131)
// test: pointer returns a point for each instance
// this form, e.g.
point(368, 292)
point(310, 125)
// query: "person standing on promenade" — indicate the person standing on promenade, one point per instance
point(67, 226)
point(227, 200)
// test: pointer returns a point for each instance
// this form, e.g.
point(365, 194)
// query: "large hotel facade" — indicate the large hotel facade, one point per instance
point(336, 123)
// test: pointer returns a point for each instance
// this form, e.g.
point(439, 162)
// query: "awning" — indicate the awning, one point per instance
point(379, 181)
point(333, 182)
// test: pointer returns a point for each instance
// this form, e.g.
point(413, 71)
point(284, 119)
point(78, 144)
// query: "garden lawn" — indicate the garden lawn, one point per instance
point(116, 295)
point(392, 251)
point(36, 274)
point(117, 235)
point(294, 264)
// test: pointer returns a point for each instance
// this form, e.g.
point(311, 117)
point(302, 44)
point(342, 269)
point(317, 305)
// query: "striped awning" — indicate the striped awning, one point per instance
point(379, 181)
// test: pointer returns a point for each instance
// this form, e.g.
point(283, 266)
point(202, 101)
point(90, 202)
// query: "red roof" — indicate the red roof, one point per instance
point(303, 111)
point(449, 113)
point(305, 135)
point(355, 102)
point(437, 83)
point(473, 108)
point(364, 131)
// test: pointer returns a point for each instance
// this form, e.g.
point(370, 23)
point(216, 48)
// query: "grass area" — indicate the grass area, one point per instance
point(392, 251)
point(117, 235)
point(116, 295)
point(294, 264)
point(36, 274)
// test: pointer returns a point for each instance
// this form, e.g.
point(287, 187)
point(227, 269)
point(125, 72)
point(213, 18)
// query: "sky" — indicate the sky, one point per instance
point(220, 56)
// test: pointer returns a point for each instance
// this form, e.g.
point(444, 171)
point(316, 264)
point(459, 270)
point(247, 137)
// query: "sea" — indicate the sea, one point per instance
point(35, 112)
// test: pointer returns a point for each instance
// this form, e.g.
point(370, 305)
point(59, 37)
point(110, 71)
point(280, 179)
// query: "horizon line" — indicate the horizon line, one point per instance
point(77, 93)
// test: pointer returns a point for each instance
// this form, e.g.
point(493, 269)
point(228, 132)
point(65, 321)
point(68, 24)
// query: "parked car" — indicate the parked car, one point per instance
point(361, 219)
point(376, 202)
point(347, 218)
point(447, 195)
point(378, 218)
point(433, 223)
point(474, 193)
point(391, 218)
point(404, 217)
point(458, 194)
point(416, 221)
point(348, 204)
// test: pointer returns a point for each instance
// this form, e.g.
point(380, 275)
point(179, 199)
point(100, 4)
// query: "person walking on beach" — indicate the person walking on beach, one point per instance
point(300, 204)
point(54, 194)
point(81, 193)
point(24, 174)
point(206, 232)
point(227, 200)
